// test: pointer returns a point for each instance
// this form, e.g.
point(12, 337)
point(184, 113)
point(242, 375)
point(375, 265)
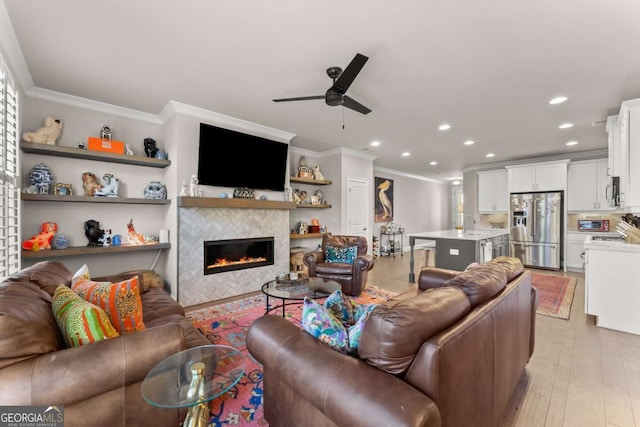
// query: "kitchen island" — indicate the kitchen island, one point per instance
point(612, 284)
point(456, 249)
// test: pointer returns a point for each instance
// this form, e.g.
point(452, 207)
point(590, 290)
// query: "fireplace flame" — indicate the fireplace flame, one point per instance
point(221, 262)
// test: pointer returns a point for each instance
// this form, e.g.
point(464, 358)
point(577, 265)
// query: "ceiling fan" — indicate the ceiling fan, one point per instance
point(335, 95)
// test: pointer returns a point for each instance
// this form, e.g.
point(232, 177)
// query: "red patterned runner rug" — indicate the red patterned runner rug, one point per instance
point(227, 324)
point(556, 294)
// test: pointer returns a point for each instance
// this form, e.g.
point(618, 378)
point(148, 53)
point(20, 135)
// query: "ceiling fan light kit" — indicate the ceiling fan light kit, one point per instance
point(342, 80)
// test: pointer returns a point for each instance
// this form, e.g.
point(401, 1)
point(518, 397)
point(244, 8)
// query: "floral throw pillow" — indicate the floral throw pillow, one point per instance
point(121, 301)
point(318, 321)
point(341, 307)
point(342, 254)
point(355, 332)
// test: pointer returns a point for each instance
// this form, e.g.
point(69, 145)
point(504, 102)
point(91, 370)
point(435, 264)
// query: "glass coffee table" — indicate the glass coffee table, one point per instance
point(294, 293)
point(192, 378)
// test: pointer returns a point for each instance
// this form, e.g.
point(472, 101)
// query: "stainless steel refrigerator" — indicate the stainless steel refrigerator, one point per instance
point(536, 222)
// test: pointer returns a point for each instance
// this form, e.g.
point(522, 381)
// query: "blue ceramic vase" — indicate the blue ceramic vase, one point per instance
point(41, 177)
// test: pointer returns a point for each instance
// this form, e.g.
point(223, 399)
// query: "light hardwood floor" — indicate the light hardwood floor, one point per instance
point(580, 375)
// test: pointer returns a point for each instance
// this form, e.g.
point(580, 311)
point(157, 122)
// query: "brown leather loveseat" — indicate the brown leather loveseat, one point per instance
point(450, 353)
point(99, 384)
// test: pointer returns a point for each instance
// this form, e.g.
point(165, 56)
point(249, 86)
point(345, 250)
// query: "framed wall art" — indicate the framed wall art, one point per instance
point(383, 199)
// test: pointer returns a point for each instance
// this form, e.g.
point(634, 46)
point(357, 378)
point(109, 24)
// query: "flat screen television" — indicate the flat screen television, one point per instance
point(227, 158)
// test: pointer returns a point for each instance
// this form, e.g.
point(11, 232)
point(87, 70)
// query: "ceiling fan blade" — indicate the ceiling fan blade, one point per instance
point(349, 74)
point(302, 98)
point(354, 105)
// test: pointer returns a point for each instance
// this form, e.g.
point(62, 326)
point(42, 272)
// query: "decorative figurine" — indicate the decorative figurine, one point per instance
point(136, 238)
point(318, 194)
point(105, 239)
point(93, 232)
point(150, 148)
point(110, 189)
point(317, 175)
point(90, 184)
point(184, 190)
point(303, 170)
point(128, 150)
point(296, 196)
point(48, 134)
point(105, 132)
point(43, 239)
point(61, 241)
point(60, 189)
point(193, 186)
point(161, 155)
point(41, 177)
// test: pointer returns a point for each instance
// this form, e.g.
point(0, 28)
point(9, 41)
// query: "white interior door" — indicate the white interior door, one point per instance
point(358, 209)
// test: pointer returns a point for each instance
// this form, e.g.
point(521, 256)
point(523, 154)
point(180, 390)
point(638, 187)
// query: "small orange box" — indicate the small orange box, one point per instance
point(107, 145)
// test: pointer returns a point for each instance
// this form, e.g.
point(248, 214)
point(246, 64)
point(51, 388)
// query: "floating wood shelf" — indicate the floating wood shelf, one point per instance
point(213, 202)
point(309, 206)
point(88, 199)
point(79, 153)
point(309, 181)
point(305, 235)
point(91, 250)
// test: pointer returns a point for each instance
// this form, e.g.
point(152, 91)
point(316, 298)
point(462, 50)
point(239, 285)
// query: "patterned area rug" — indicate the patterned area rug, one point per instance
point(227, 324)
point(556, 294)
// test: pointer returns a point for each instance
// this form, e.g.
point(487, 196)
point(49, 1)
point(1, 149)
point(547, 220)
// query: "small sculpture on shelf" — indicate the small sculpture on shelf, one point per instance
point(61, 189)
point(184, 190)
point(90, 184)
point(193, 186)
point(128, 150)
point(42, 177)
point(136, 238)
point(48, 134)
point(93, 232)
point(105, 132)
point(43, 239)
point(105, 240)
point(317, 174)
point(150, 148)
point(304, 171)
point(110, 189)
point(319, 196)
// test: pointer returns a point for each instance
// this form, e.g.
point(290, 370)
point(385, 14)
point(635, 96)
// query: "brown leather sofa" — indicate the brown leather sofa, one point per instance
point(352, 277)
point(448, 354)
point(99, 384)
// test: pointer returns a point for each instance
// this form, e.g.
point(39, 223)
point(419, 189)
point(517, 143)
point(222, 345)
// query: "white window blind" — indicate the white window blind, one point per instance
point(9, 191)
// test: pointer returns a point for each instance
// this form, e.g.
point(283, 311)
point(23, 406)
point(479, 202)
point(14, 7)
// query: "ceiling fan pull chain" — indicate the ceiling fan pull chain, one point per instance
point(342, 118)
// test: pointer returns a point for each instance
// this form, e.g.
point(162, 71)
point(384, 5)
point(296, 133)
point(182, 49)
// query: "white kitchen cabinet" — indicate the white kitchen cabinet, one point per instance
point(612, 286)
point(628, 124)
point(549, 176)
point(493, 192)
point(588, 186)
point(575, 251)
point(614, 146)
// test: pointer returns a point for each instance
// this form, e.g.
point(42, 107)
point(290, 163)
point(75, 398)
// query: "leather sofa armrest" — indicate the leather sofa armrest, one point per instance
point(363, 263)
point(535, 298)
point(311, 260)
point(346, 389)
point(432, 277)
point(76, 374)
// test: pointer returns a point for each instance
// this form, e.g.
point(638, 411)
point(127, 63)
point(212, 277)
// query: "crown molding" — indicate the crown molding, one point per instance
point(222, 120)
point(572, 157)
point(408, 175)
point(10, 48)
point(90, 104)
point(332, 152)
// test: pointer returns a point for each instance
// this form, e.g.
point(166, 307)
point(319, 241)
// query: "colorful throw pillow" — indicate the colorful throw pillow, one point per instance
point(345, 255)
point(341, 307)
point(79, 321)
point(121, 301)
point(318, 321)
point(355, 332)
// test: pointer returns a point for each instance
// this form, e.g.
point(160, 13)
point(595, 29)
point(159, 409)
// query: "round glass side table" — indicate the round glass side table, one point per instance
point(192, 378)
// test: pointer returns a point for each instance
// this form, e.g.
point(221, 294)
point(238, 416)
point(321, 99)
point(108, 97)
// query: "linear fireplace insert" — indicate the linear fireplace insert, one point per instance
point(237, 254)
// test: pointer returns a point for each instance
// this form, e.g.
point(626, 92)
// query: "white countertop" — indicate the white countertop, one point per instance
point(461, 235)
point(604, 245)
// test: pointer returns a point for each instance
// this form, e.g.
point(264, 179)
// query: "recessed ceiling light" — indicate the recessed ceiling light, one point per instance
point(456, 182)
point(444, 126)
point(566, 125)
point(469, 142)
point(490, 155)
point(572, 143)
point(406, 154)
point(375, 143)
point(433, 163)
point(558, 100)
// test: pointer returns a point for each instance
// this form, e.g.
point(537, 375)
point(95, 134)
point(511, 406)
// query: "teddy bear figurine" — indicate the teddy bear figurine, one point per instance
point(48, 134)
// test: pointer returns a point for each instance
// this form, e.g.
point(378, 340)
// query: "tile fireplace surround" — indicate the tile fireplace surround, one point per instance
point(199, 223)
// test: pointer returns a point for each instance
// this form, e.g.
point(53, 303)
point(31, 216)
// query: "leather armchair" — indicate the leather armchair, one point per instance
point(352, 277)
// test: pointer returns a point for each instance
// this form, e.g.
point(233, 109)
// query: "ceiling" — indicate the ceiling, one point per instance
point(488, 68)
